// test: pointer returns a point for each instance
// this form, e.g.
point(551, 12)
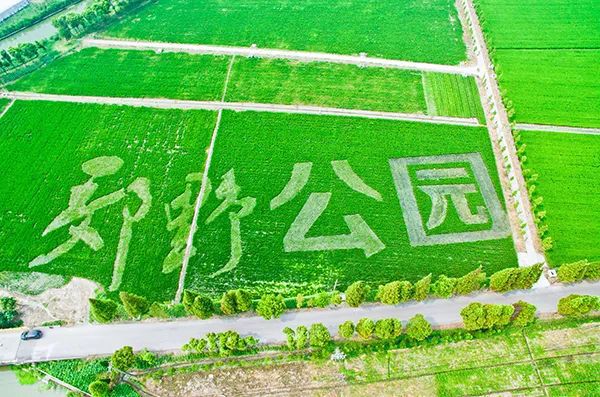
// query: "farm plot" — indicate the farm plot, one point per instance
point(412, 30)
point(541, 24)
point(552, 86)
point(100, 192)
point(567, 168)
point(547, 56)
point(130, 74)
point(118, 73)
point(452, 95)
point(299, 202)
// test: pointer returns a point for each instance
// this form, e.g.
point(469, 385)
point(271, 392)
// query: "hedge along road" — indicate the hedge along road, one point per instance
point(101, 340)
point(304, 56)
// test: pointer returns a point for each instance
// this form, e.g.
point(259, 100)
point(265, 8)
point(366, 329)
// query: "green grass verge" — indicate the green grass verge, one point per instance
point(413, 30)
point(452, 95)
point(43, 146)
point(325, 84)
point(537, 24)
point(132, 74)
point(567, 165)
point(262, 149)
point(552, 86)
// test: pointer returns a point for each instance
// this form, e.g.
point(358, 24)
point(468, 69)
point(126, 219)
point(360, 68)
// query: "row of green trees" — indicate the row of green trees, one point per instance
point(484, 316)
point(20, 55)
point(221, 344)
point(397, 292)
point(579, 271)
point(273, 305)
point(75, 24)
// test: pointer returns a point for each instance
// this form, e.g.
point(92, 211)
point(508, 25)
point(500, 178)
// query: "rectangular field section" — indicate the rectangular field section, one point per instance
point(547, 56)
point(85, 189)
point(567, 168)
point(298, 202)
point(427, 31)
point(118, 73)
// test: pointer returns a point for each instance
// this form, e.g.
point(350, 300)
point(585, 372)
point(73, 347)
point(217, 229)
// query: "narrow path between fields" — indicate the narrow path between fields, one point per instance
point(203, 187)
point(305, 56)
point(558, 128)
point(97, 340)
point(6, 108)
point(504, 147)
point(241, 106)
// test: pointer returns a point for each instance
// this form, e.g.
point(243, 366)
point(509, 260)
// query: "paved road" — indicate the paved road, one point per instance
point(364, 61)
point(558, 128)
point(241, 106)
point(89, 340)
point(499, 127)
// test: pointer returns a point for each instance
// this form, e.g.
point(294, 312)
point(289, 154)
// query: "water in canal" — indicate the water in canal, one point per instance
point(10, 387)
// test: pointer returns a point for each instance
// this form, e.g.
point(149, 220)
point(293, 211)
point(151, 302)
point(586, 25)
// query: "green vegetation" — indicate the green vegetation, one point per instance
point(123, 359)
point(515, 278)
point(566, 168)
point(578, 305)
point(9, 316)
point(452, 95)
point(236, 301)
point(356, 293)
point(132, 74)
point(534, 24)
point(486, 316)
point(418, 328)
point(45, 146)
point(103, 310)
point(319, 335)
point(414, 30)
point(577, 271)
point(119, 73)
point(259, 151)
point(346, 329)
point(325, 84)
point(4, 103)
point(135, 306)
point(551, 86)
point(270, 306)
point(221, 344)
point(33, 13)
point(547, 64)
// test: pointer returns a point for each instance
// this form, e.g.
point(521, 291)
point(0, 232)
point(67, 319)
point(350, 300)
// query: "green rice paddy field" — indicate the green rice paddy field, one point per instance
point(46, 147)
point(262, 150)
point(410, 29)
point(547, 54)
point(43, 146)
point(567, 165)
point(120, 73)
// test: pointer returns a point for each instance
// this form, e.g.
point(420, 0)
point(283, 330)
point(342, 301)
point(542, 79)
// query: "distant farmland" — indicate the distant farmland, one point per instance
point(412, 30)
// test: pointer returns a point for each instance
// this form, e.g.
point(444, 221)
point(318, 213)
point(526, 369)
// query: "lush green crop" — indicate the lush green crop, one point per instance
point(567, 168)
point(43, 146)
point(118, 73)
point(263, 149)
point(410, 29)
point(452, 95)
point(552, 86)
point(130, 74)
point(3, 103)
point(325, 84)
point(538, 24)
point(547, 54)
